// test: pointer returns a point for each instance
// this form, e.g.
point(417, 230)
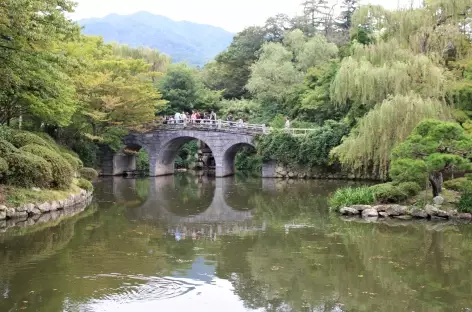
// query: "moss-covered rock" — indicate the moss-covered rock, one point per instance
point(85, 184)
point(88, 173)
point(28, 170)
point(62, 171)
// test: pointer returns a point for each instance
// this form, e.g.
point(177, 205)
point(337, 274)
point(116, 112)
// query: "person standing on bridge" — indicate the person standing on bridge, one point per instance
point(183, 117)
point(287, 123)
point(213, 117)
point(177, 117)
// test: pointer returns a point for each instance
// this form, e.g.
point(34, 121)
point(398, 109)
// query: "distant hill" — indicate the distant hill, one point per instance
point(183, 41)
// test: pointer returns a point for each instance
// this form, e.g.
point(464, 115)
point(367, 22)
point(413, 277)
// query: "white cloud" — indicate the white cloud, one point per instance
point(232, 15)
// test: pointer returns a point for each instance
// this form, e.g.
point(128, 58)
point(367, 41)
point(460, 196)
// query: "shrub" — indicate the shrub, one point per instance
point(28, 170)
point(352, 196)
point(62, 172)
point(20, 139)
point(459, 185)
point(409, 188)
point(465, 203)
point(46, 137)
point(3, 166)
point(85, 184)
point(142, 162)
point(5, 132)
point(65, 149)
point(89, 174)
point(73, 161)
point(388, 193)
point(7, 148)
point(88, 152)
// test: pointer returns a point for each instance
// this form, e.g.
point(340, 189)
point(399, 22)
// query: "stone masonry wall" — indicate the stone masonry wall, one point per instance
point(331, 172)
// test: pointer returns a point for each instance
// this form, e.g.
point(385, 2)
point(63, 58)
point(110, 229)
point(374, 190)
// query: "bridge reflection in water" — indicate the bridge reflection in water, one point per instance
point(192, 206)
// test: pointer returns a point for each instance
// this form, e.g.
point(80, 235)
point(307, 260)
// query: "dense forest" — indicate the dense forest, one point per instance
point(364, 77)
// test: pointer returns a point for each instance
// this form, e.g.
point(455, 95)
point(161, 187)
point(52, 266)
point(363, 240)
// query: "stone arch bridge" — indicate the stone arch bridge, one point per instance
point(163, 142)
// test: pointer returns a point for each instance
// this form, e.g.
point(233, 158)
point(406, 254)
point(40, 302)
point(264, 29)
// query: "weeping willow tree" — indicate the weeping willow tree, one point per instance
point(374, 72)
point(432, 28)
point(367, 149)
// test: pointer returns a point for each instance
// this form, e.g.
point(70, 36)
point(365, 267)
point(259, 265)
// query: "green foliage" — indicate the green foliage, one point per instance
point(370, 143)
point(87, 151)
point(389, 193)
point(351, 196)
point(112, 136)
point(23, 138)
point(433, 147)
point(5, 132)
point(280, 146)
point(142, 162)
point(3, 166)
point(278, 122)
point(28, 170)
point(465, 203)
point(85, 184)
point(248, 161)
point(459, 184)
point(73, 161)
point(7, 148)
point(186, 154)
point(89, 174)
point(62, 171)
point(409, 188)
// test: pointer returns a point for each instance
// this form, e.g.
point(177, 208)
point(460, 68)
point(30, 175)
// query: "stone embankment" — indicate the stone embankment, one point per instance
point(300, 172)
point(31, 210)
point(433, 212)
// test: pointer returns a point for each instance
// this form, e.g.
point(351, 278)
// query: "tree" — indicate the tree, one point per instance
point(435, 147)
point(368, 147)
point(345, 18)
point(33, 80)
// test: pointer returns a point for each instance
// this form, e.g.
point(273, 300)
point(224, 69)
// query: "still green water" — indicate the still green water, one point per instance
point(188, 243)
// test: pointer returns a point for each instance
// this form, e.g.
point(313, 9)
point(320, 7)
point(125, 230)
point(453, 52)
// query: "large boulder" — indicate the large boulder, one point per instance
point(418, 213)
point(369, 213)
point(361, 207)
point(465, 216)
point(396, 210)
point(431, 210)
point(348, 211)
point(438, 200)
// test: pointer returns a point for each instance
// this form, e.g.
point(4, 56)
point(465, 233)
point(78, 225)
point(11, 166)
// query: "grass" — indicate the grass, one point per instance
point(13, 196)
point(352, 196)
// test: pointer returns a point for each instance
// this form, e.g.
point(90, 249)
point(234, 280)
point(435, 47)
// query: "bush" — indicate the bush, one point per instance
point(65, 149)
point(409, 188)
point(85, 184)
point(73, 161)
point(5, 132)
point(465, 203)
point(459, 185)
point(352, 196)
point(28, 170)
point(20, 139)
point(88, 152)
point(62, 172)
point(7, 148)
point(142, 162)
point(89, 174)
point(3, 166)
point(46, 137)
point(388, 193)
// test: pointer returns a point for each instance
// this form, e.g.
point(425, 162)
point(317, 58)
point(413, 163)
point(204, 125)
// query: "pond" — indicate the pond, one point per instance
point(193, 243)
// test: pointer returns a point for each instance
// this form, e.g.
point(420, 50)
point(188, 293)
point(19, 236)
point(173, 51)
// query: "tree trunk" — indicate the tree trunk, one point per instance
point(436, 180)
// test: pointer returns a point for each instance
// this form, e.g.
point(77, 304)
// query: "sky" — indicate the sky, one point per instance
point(231, 15)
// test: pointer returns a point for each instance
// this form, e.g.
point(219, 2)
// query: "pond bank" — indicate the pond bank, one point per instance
point(378, 212)
point(31, 210)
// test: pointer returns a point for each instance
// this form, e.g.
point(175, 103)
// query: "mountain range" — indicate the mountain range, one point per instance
point(183, 41)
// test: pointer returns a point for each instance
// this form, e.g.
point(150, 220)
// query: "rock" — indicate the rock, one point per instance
point(380, 208)
point(403, 217)
point(36, 189)
point(290, 174)
point(465, 216)
point(361, 207)
point(348, 211)
point(3, 208)
point(10, 212)
point(367, 213)
point(452, 213)
point(29, 208)
point(383, 214)
point(396, 210)
point(443, 214)
point(21, 208)
point(44, 207)
point(35, 211)
point(431, 210)
point(437, 218)
point(3, 215)
point(21, 214)
point(55, 205)
point(418, 213)
point(438, 200)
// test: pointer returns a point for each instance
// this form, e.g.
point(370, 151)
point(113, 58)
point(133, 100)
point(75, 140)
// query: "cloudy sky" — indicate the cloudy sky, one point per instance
point(231, 15)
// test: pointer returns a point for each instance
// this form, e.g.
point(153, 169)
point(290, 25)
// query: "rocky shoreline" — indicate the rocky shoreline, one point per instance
point(431, 212)
point(32, 210)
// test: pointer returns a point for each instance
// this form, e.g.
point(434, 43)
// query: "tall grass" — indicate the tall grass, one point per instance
point(352, 196)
